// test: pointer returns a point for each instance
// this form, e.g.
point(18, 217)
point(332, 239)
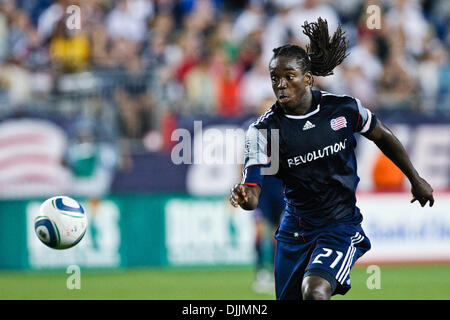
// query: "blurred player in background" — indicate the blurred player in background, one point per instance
point(267, 218)
point(320, 237)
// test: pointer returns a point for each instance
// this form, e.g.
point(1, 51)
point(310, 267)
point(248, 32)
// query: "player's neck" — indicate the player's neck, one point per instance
point(304, 106)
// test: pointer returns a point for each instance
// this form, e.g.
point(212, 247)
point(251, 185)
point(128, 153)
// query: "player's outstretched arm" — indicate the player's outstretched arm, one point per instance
point(245, 196)
point(388, 143)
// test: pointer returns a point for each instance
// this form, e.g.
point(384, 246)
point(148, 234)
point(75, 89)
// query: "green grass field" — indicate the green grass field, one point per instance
point(397, 282)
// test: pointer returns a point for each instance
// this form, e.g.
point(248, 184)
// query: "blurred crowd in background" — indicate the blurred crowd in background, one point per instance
point(133, 66)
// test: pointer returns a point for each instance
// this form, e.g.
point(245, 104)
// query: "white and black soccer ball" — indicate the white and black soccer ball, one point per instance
point(61, 222)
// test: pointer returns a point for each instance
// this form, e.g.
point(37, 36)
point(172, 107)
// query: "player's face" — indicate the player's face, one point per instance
point(288, 81)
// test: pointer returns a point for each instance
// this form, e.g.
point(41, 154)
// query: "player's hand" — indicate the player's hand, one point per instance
point(422, 192)
point(238, 194)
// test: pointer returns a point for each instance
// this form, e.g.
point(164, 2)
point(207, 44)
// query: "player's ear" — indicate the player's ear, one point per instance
point(308, 79)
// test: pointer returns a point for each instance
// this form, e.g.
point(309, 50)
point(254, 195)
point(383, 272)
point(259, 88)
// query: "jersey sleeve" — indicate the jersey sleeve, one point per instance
point(256, 156)
point(365, 119)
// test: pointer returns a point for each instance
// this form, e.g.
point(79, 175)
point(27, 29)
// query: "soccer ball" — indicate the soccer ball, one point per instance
point(61, 222)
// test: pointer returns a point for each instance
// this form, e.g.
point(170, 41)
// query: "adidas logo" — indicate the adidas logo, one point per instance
point(308, 125)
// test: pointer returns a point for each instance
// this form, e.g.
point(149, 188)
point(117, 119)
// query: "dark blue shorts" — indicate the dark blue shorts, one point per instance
point(328, 252)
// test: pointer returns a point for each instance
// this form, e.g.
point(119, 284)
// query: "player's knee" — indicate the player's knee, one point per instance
point(315, 288)
point(314, 293)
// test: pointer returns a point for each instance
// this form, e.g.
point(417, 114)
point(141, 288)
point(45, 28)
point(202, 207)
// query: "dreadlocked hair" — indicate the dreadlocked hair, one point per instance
point(322, 54)
point(325, 54)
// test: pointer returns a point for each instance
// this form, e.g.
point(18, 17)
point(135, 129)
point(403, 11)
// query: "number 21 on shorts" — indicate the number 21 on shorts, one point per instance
point(327, 253)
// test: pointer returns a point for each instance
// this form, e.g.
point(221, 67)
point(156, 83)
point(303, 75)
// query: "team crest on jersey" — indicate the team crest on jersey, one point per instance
point(338, 123)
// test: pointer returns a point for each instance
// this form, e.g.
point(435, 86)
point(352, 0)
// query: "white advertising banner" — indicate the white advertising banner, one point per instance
point(208, 232)
point(404, 232)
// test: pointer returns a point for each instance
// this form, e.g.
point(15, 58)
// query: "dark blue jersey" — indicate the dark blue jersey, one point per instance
point(314, 153)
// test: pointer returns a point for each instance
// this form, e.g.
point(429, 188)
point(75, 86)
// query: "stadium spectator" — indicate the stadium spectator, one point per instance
point(407, 15)
point(229, 91)
point(276, 31)
point(201, 91)
point(100, 53)
point(23, 37)
point(50, 17)
point(190, 44)
point(16, 79)
point(397, 84)
point(128, 20)
point(255, 87)
point(69, 51)
point(135, 114)
point(248, 21)
point(431, 63)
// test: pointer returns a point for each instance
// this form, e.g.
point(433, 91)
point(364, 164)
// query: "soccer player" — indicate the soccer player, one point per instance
point(320, 236)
